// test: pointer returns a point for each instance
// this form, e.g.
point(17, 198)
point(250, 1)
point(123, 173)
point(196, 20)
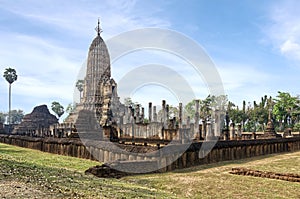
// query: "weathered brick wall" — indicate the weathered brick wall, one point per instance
point(106, 151)
point(233, 150)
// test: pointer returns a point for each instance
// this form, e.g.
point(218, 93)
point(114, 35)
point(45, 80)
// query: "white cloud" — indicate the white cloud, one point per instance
point(290, 48)
point(284, 28)
point(80, 17)
point(44, 69)
point(48, 65)
point(245, 82)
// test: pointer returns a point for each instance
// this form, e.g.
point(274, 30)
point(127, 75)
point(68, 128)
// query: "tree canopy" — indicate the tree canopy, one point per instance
point(286, 109)
point(254, 116)
point(70, 108)
point(2, 117)
point(16, 116)
point(79, 86)
point(57, 108)
point(10, 75)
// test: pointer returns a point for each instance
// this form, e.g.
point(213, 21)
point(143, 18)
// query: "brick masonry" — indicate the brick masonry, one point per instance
point(108, 152)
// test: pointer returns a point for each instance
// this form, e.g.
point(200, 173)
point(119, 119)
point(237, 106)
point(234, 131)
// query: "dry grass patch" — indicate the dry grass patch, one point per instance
point(214, 180)
point(52, 176)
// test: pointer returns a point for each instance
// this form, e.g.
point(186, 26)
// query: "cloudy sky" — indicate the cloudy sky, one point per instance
point(255, 45)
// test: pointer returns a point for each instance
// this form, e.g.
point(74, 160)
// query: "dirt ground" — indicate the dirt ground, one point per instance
point(15, 189)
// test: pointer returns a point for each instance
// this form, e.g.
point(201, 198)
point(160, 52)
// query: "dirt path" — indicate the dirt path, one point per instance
point(16, 189)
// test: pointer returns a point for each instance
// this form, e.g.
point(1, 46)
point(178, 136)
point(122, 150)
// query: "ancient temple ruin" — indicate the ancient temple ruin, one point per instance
point(100, 107)
point(37, 123)
point(100, 90)
point(270, 130)
point(100, 99)
point(101, 113)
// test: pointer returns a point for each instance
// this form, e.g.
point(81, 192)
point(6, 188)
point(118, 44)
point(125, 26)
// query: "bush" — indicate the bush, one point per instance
point(296, 127)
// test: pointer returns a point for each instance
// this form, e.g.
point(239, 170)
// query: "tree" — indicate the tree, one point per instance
point(190, 109)
point(255, 118)
point(173, 112)
point(11, 76)
point(57, 108)
point(297, 127)
point(205, 107)
point(219, 102)
point(128, 102)
point(2, 117)
point(16, 116)
point(286, 109)
point(80, 85)
point(70, 108)
point(236, 115)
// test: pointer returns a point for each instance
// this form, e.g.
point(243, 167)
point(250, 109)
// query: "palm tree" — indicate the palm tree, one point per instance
point(11, 76)
point(79, 85)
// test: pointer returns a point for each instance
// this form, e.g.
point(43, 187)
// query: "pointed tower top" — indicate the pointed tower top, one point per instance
point(98, 29)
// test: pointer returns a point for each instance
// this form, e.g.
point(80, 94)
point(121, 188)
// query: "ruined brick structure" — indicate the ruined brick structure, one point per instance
point(100, 113)
point(270, 130)
point(107, 152)
point(37, 123)
point(1, 128)
point(100, 90)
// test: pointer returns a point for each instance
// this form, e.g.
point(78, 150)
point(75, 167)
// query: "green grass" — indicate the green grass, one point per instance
point(55, 176)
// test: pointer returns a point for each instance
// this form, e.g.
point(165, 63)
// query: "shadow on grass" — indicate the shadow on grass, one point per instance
point(7, 149)
point(71, 184)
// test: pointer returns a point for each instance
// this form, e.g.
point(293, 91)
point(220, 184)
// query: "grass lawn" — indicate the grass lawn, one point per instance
point(27, 173)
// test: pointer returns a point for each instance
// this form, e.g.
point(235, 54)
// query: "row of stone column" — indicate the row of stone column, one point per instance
point(135, 115)
point(142, 131)
point(139, 113)
point(210, 128)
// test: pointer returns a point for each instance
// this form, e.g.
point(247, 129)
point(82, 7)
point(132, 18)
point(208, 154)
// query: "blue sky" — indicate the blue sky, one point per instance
point(255, 45)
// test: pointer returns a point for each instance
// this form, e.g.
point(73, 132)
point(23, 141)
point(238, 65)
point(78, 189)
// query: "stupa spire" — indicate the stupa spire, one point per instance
point(98, 29)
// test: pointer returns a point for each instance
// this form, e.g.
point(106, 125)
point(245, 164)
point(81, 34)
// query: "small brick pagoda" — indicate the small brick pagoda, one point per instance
point(270, 130)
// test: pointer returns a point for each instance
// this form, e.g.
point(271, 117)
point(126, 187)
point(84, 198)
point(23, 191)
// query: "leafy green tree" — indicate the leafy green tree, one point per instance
point(205, 107)
point(190, 109)
point(57, 108)
point(255, 118)
point(295, 111)
point(128, 101)
point(236, 115)
point(297, 127)
point(70, 108)
point(173, 111)
point(16, 116)
point(2, 117)
point(219, 102)
point(11, 76)
point(250, 126)
point(80, 85)
point(260, 112)
point(205, 110)
point(286, 107)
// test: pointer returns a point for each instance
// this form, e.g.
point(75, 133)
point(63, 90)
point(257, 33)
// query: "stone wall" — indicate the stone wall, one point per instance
point(234, 150)
point(108, 152)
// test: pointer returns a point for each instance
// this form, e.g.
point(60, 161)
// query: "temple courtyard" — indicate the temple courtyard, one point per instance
point(27, 173)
